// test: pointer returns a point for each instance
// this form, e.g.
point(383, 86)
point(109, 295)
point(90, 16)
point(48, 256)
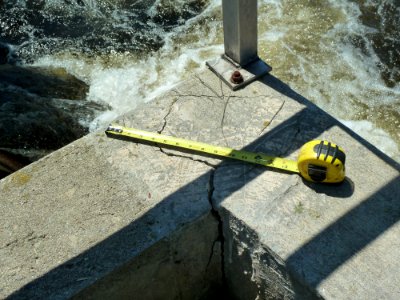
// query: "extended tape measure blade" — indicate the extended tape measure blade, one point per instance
point(256, 158)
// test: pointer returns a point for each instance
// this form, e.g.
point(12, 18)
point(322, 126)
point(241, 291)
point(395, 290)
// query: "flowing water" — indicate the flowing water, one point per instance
point(342, 55)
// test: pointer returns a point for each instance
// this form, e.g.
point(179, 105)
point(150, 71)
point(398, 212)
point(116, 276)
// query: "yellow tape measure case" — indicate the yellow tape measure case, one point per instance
point(322, 161)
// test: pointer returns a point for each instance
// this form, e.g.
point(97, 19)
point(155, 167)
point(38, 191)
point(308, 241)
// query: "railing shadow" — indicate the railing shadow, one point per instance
point(286, 90)
point(328, 250)
point(336, 244)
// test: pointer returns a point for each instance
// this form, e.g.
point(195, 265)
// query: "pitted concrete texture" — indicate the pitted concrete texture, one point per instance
point(104, 218)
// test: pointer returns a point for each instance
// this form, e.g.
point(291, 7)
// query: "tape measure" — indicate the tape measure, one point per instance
point(318, 161)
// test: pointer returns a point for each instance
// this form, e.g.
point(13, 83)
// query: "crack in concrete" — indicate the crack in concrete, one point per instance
point(219, 97)
point(31, 237)
point(220, 238)
point(187, 157)
point(210, 189)
point(223, 120)
point(282, 194)
point(207, 86)
point(167, 115)
point(273, 117)
point(208, 97)
point(214, 212)
point(221, 87)
point(291, 143)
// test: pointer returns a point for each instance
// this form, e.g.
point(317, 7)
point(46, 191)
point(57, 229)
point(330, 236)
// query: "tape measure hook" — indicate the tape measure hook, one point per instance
point(114, 129)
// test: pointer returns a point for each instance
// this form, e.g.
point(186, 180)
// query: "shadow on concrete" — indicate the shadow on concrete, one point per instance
point(342, 190)
point(332, 247)
point(119, 248)
point(327, 251)
point(338, 245)
point(286, 90)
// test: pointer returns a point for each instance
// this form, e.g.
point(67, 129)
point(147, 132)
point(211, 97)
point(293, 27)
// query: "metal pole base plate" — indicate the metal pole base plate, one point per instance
point(224, 68)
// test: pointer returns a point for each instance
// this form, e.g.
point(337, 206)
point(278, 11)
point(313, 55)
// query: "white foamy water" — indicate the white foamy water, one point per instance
point(123, 80)
point(315, 50)
point(376, 136)
point(311, 46)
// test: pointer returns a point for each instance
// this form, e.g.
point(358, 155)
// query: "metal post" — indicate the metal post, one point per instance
point(240, 30)
point(240, 64)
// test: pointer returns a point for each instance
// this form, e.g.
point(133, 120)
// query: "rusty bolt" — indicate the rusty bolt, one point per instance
point(236, 77)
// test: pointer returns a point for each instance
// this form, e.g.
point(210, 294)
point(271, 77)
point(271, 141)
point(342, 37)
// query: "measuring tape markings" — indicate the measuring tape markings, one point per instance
point(257, 158)
point(318, 161)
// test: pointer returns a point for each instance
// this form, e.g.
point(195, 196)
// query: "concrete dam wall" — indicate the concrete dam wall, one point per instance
point(104, 218)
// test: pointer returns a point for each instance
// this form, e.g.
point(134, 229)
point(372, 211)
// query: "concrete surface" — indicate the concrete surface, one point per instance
point(340, 241)
point(94, 206)
point(105, 218)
